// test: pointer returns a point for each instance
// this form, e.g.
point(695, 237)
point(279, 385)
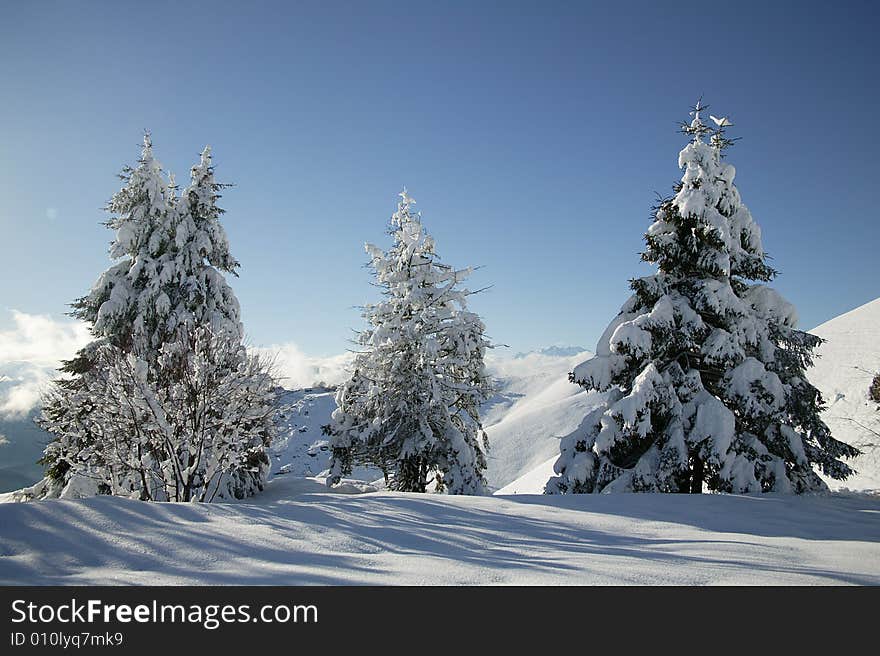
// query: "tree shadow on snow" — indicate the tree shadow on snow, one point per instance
point(807, 517)
point(326, 539)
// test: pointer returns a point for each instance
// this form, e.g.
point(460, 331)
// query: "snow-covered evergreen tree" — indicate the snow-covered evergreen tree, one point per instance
point(200, 252)
point(168, 279)
point(411, 406)
point(171, 252)
point(703, 365)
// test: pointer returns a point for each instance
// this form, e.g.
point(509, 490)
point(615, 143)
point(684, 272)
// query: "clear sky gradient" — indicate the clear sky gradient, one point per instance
point(534, 136)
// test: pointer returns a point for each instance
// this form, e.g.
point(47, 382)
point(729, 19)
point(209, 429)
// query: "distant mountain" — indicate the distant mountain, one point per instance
point(533, 409)
point(301, 449)
point(533, 406)
point(554, 351)
point(23, 445)
point(23, 441)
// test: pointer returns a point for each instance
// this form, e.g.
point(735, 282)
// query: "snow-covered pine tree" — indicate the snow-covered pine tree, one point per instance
point(171, 253)
point(201, 251)
point(127, 299)
point(703, 366)
point(167, 283)
point(411, 406)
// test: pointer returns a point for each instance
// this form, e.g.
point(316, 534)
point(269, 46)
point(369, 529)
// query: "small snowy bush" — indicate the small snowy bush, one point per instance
point(193, 425)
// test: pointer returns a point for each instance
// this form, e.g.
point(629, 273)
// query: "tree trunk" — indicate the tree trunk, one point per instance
point(697, 476)
point(423, 475)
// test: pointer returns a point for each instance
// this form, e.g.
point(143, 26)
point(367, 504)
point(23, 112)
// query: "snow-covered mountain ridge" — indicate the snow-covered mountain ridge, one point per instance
point(533, 406)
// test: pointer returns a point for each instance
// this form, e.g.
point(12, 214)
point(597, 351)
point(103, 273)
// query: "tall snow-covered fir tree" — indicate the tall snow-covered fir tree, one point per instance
point(703, 366)
point(411, 406)
point(166, 285)
point(200, 253)
point(171, 252)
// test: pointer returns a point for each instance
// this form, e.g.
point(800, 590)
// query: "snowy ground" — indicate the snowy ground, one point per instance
point(299, 533)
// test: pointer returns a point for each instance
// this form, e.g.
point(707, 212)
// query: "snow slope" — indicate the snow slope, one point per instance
point(301, 449)
point(847, 363)
point(535, 406)
point(533, 481)
point(299, 533)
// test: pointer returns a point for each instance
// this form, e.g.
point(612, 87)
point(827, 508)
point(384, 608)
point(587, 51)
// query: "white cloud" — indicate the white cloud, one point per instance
point(507, 366)
point(32, 349)
point(41, 340)
point(30, 352)
point(3, 440)
point(298, 370)
point(24, 395)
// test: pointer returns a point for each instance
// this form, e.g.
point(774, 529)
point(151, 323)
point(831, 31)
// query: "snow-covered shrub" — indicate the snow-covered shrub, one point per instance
point(193, 424)
point(411, 406)
point(874, 390)
point(704, 364)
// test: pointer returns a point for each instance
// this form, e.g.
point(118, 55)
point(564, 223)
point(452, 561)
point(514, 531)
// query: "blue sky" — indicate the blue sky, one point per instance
point(535, 137)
